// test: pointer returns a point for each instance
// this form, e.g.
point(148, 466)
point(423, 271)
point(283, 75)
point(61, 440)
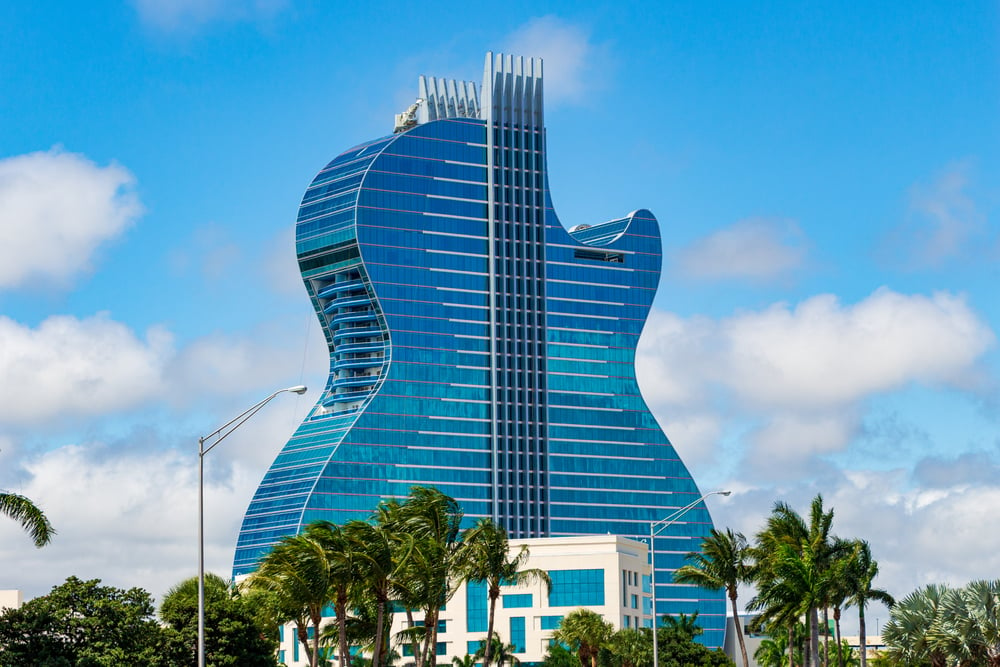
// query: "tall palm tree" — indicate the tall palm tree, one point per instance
point(721, 563)
point(379, 554)
point(485, 557)
point(32, 519)
point(787, 534)
point(433, 519)
point(585, 632)
point(304, 579)
point(860, 573)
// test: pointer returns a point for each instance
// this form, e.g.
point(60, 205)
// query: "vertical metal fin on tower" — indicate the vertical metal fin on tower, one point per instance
point(515, 155)
point(447, 98)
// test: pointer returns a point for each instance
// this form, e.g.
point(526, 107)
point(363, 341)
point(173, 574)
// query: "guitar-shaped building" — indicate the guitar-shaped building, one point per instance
point(476, 345)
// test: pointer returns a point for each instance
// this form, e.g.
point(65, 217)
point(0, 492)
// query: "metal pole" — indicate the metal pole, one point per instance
point(652, 580)
point(201, 552)
point(219, 434)
point(663, 525)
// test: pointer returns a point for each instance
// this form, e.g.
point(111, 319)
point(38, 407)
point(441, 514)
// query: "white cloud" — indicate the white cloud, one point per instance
point(917, 536)
point(77, 366)
point(95, 366)
point(56, 208)
point(186, 15)
point(129, 518)
point(572, 64)
point(943, 221)
point(757, 249)
point(800, 374)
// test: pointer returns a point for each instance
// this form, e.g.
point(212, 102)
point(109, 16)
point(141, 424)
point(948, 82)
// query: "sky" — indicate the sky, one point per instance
point(826, 176)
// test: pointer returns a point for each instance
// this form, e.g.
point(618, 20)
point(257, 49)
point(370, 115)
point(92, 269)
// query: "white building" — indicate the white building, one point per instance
point(607, 574)
point(11, 599)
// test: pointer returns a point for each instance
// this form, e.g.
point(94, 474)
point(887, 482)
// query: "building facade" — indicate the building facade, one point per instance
point(604, 573)
point(476, 344)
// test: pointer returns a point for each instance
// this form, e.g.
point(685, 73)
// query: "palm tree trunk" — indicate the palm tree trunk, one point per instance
point(807, 649)
point(814, 635)
point(414, 644)
point(301, 629)
point(489, 627)
point(791, 644)
point(739, 628)
point(317, 618)
point(341, 611)
point(862, 640)
point(836, 632)
point(431, 631)
point(826, 636)
point(379, 623)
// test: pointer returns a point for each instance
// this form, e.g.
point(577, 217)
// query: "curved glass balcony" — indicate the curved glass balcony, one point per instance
point(340, 288)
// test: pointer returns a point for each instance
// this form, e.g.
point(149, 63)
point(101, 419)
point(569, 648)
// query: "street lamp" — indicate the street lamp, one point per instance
point(653, 532)
point(219, 435)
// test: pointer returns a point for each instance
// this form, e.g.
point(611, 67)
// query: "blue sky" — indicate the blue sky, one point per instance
point(827, 180)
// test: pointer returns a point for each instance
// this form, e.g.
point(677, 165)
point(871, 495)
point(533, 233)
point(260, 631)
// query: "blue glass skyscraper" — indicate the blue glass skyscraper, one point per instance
point(476, 344)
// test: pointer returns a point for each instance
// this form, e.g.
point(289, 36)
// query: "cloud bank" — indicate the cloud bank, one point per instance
point(756, 249)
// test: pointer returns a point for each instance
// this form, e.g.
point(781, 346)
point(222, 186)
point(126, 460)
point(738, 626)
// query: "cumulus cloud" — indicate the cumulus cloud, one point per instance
point(800, 374)
point(918, 536)
point(187, 15)
point(942, 221)
point(94, 366)
point(56, 209)
point(573, 64)
point(77, 366)
point(129, 519)
point(757, 249)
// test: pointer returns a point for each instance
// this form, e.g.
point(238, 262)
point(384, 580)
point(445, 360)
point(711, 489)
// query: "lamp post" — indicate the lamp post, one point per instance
point(219, 435)
point(663, 524)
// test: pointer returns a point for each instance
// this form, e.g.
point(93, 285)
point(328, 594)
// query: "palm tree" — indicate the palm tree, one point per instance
point(485, 557)
point(721, 563)
point(860, 573)
point(503, 654)
point(684, 625)
point(788, 535)
point(910, 634)
point(299, 571)
point(433, 519)
point(379, 554)
point(32, 519)
point(585, 632)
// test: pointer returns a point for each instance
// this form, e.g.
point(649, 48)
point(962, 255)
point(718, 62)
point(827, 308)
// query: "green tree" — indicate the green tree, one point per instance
point(31, 518)
point(234, 635)
point(632, 647)
point(677, 647)
point(82, 624)
point(502, 654)
point(722, 563)
point(787, 588)
point(428, 578)
point(300, 574)
point(859, 580)
point(910, 634)
point(558, 655)
point(584, 632)
point(485, 557)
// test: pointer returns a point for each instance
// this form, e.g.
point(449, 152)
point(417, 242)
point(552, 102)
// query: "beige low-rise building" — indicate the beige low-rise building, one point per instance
point(607, 574)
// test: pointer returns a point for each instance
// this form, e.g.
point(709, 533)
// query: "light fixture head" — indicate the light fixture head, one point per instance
point(298, 389)
point(725, 493)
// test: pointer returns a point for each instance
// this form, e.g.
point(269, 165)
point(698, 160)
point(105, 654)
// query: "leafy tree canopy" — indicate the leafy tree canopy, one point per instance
point(82, 624)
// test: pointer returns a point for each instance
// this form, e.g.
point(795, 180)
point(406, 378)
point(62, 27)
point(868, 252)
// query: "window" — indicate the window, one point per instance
point(517, 638)
point(517, 601)
point(635, 601)
point(475, 605)
point(550, 622)
point(576, 588)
